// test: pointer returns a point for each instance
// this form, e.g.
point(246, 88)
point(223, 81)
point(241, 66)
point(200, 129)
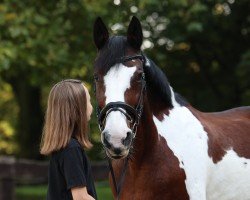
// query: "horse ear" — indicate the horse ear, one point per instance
point(101, 34)
point(134, 34)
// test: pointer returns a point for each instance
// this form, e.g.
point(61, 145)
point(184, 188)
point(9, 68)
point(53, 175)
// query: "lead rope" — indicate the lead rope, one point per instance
point(122, 177)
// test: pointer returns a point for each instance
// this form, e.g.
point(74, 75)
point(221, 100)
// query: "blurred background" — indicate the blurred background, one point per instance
point(203, 46)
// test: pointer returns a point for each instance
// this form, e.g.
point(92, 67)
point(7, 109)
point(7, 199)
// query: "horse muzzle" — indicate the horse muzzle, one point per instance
point(116, 147)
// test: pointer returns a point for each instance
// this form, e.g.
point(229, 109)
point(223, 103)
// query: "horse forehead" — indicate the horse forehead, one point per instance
point(117, 81)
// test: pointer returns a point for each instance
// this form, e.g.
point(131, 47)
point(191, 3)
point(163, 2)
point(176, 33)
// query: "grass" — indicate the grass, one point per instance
point(38, 192)
point(103, 191)
point(29, 192)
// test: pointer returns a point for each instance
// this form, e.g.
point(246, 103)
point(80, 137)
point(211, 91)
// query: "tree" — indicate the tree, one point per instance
point(40, 44)
point(202, 46)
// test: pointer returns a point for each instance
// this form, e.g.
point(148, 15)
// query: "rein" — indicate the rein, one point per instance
point(133, 115)
point(122, 177)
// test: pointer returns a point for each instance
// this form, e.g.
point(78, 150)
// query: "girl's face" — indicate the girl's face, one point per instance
point(89, 106)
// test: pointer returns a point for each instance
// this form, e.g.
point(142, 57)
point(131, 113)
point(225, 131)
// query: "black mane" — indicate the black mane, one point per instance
point(159, 86)
point(157, 83)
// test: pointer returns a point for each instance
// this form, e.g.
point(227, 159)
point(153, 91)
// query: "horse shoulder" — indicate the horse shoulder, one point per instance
point(187, 140)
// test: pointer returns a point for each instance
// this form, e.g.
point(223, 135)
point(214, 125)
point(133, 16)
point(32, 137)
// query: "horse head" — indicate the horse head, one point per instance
point(120, 84)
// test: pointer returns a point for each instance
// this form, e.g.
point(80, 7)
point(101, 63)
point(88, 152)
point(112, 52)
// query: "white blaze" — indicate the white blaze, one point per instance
point(117, 81)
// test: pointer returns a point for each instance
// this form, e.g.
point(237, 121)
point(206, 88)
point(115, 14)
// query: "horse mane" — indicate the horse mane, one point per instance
point(158, 85)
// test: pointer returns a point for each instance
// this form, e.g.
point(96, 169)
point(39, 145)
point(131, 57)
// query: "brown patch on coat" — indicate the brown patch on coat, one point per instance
point(133, 93)
point(158, 109)
point(100, 92)
point(226, 130)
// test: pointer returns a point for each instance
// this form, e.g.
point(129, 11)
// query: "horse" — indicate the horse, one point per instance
point(173, 151)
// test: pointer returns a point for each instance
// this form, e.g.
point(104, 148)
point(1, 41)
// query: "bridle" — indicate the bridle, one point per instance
point(133, 115)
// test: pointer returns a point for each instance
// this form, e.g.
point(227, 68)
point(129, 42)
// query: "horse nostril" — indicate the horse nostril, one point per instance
point(106, 137)
point(117, 151)
point(127, 141)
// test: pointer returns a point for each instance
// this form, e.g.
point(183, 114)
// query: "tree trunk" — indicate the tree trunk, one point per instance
point(30, 119)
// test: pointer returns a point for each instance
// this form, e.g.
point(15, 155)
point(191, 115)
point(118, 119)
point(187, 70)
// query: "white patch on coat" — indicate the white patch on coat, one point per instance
point(188, 141)
point(117, 81)
point(228, 179)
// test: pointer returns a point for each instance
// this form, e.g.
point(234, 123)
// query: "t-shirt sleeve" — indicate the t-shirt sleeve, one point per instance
point(73, 168)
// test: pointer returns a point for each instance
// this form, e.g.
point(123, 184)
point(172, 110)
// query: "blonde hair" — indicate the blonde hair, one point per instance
point(66, 117)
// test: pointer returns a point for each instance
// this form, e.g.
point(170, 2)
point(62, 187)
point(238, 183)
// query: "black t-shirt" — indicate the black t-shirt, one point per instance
point(69, 168)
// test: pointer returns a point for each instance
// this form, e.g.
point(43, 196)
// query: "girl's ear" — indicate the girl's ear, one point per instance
point(101, 34)
point(134, 34)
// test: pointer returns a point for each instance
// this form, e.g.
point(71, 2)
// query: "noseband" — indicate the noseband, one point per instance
point(133, 115)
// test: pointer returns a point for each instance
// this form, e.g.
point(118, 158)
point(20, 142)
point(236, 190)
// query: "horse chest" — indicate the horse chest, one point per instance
point(158, 177)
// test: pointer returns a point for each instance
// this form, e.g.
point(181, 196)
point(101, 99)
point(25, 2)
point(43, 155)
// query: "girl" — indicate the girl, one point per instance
point(64, 136)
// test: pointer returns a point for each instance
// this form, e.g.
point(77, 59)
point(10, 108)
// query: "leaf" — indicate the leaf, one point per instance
point(198, 8)
point(195, 27)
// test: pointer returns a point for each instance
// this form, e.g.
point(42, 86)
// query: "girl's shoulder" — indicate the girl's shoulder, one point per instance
point(71, 146)
point(71, 153)
point(73, 143)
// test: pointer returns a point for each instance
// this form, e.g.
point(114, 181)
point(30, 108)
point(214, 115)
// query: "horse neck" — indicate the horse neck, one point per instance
point(147, 136)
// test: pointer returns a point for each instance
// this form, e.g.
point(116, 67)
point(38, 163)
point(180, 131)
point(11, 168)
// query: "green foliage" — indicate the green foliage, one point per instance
point(7, 120)
point(202, 46)
point(243, 72)
point(31, 192)
point(37, 39)
point(103, 190)
point(42, 43)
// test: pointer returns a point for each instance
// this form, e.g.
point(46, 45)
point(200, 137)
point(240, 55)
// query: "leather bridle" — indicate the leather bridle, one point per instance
point(133, 115)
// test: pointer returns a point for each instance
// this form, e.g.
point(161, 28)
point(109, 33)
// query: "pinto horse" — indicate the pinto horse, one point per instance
point(174, 151)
